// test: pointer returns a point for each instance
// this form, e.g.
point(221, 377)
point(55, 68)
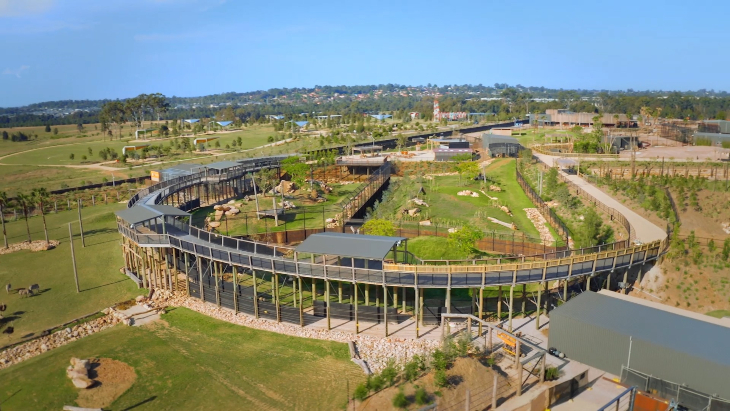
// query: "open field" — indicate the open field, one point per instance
point(190, 361)
point(98, 264)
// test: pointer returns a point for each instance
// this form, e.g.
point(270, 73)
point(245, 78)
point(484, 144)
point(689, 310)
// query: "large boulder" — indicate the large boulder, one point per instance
point(82, 382)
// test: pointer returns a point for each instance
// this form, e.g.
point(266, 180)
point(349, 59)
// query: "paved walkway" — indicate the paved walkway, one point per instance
point(646, 231)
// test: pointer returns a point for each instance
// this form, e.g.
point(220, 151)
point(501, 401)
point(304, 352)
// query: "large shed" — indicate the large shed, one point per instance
point(670, 352)
point(500, 146)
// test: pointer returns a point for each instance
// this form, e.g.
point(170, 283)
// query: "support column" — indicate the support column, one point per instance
point(187, 274)
point(565, 289)
point(235, 290)
point(385, 308)
point(626, 279)
point(145, 277)
point(607, 285)
point(511, 304)
point(339, 292)
point(418, 308)
point(481, 308)
point(395, 297)
point(448, 300)
point(357, 320)
point(367, 294)
point(548, 298)
point(217, 272)
point(255, 294)
point(519, 366)
point(537, 312)
point(301, 303)
point(524, 300)
point(276, 296)
point(499, 304)
point(403, 290)
point(327, 299)
point(314, 290)
point(200, 278)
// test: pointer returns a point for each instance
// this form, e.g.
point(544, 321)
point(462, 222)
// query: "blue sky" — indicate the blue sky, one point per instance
point(91, 49)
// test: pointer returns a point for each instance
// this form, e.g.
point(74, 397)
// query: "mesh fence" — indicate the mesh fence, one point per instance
point(684, 396)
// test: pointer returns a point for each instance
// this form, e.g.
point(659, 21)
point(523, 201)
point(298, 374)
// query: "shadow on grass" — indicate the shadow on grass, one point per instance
point(150, 399)
point(10, 396)
point(103, 285)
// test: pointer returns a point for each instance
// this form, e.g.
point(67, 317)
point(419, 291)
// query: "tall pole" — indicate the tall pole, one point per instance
point(73, 256)
point(81, 225)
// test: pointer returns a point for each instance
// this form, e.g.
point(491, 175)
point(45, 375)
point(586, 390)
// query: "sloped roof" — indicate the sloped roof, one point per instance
point(142, 212)
point(372, 247)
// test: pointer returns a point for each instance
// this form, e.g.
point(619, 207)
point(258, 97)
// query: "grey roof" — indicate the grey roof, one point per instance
point(367, 148)
point(142, 212)
point(222, 165)
point(661, 325)
point(186, 167)
point(567, 162)
point(373, 247)
point(488, 139)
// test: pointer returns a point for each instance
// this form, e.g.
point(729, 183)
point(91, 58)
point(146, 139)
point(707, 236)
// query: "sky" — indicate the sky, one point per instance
point(90, 49)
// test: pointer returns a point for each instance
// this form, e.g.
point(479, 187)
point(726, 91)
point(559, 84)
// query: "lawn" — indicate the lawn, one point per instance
point(190, 361)
point(719, 313)
point(447, 208)
point(98, 264)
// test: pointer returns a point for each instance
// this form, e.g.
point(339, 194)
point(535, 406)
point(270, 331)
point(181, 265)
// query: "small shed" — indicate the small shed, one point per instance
point(175, 171)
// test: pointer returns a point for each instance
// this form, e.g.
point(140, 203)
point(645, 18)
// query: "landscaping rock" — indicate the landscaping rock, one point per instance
point(82, 382)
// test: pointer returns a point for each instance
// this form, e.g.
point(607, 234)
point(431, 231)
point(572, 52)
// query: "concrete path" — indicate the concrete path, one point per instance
point(646, 231)
point(139, 315)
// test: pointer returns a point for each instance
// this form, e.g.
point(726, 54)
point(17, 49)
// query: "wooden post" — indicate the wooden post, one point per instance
point(519, 366)
point(235, 289)
point(294, 289)
point(187, 275)
point(81, 224)
point(511, 304)
point(276, 295)
point(367, 294)
point(357, 320)
point(524, 300)
point(499, 304)
point(395, 297)
point(73, 256)
point(626, 279)
point(145, 275)
point(494, 392)
point(327, 297)
point(417, 307)
point(255, 295)
point(314, 290)
point(537, 312)
point(542, 367)
point(301, 304)
point(468, 399)
point(339, 292)
point(385, 308)
point(481, 308)
point(200, 278)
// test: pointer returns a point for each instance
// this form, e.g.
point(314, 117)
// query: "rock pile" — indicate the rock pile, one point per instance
point(38, 245)
point(495, 188)
point(468, 193)
point(40, 345)
point(540, 223)
point(376, 351)
point(78, 372)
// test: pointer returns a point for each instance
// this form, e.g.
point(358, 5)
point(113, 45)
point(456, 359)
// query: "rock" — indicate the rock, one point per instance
point(425, 222)
point(85, 364)
point(74, 360)
point(77, 374)
point(139, 298)
point(83, 382)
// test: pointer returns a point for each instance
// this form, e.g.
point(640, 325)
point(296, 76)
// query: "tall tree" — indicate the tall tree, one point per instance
point(25, 201)
point(114, 113)
point(3, 204)
point(41, 197)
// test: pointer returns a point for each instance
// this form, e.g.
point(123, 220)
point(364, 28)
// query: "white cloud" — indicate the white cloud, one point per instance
point(16, 72)
point(14, 8)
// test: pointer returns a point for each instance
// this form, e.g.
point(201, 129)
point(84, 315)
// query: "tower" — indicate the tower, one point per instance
point(436, 111)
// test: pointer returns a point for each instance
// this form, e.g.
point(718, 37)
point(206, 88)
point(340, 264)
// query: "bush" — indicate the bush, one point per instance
point(440, 361)
point(421, 396)
point(413, 368)
point(390, 372)
point(375, 383)
point(440, 379)
point(400, 400)
point(361, 392)
point(551, 373)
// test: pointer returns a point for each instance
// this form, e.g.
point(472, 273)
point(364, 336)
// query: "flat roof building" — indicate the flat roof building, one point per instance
point(670, 352)
point(500, 146)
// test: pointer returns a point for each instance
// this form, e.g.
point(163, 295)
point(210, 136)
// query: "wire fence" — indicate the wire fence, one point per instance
point(683, 395)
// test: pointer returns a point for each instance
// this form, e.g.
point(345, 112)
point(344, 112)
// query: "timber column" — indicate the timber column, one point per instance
point(511, 303)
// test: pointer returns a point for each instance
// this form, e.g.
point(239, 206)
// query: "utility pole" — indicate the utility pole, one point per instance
point(73, 256)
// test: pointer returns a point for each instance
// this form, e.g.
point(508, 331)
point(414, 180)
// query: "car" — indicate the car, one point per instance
point(555, 352)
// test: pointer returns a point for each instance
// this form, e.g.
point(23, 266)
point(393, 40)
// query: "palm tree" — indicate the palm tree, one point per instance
point(3, 203)
point(41, 196)
point(24, 200)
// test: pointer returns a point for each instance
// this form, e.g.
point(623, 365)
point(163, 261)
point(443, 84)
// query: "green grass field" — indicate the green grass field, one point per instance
point(719, 313)
point(191, 361)
point(98, 264)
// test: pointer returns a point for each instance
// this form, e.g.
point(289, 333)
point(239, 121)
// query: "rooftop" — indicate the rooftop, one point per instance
point(142, 212)
point(372, 247)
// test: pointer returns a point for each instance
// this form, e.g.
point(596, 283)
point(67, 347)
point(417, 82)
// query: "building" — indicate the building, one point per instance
point(670, 352)
point(500, 146)
point(557, 117)
point(175, 171)
point(447, 154)
point(713, 132)
point(438, 115)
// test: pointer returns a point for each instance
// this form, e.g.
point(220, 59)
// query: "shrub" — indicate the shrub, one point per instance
point(440, 379)
point(390, 372)
point(361, 392)
point(551, 373)
point(421, 396)
point(375, 383)
point(411, 370)
point(440, 362)
point(400, 400)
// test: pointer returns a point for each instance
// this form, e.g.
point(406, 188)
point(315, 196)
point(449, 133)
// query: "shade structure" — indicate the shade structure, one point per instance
point(371, 247)
point(144, 212)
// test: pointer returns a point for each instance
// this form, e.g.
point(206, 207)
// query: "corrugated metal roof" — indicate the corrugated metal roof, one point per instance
point(222, 165)
point(185, 167)
point(142, 212)
point(704, 339)
point(372, 247)
point(488, 139)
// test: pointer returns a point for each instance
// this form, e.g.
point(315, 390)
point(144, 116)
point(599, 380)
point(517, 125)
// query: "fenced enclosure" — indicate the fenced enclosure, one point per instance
point(683, 395)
